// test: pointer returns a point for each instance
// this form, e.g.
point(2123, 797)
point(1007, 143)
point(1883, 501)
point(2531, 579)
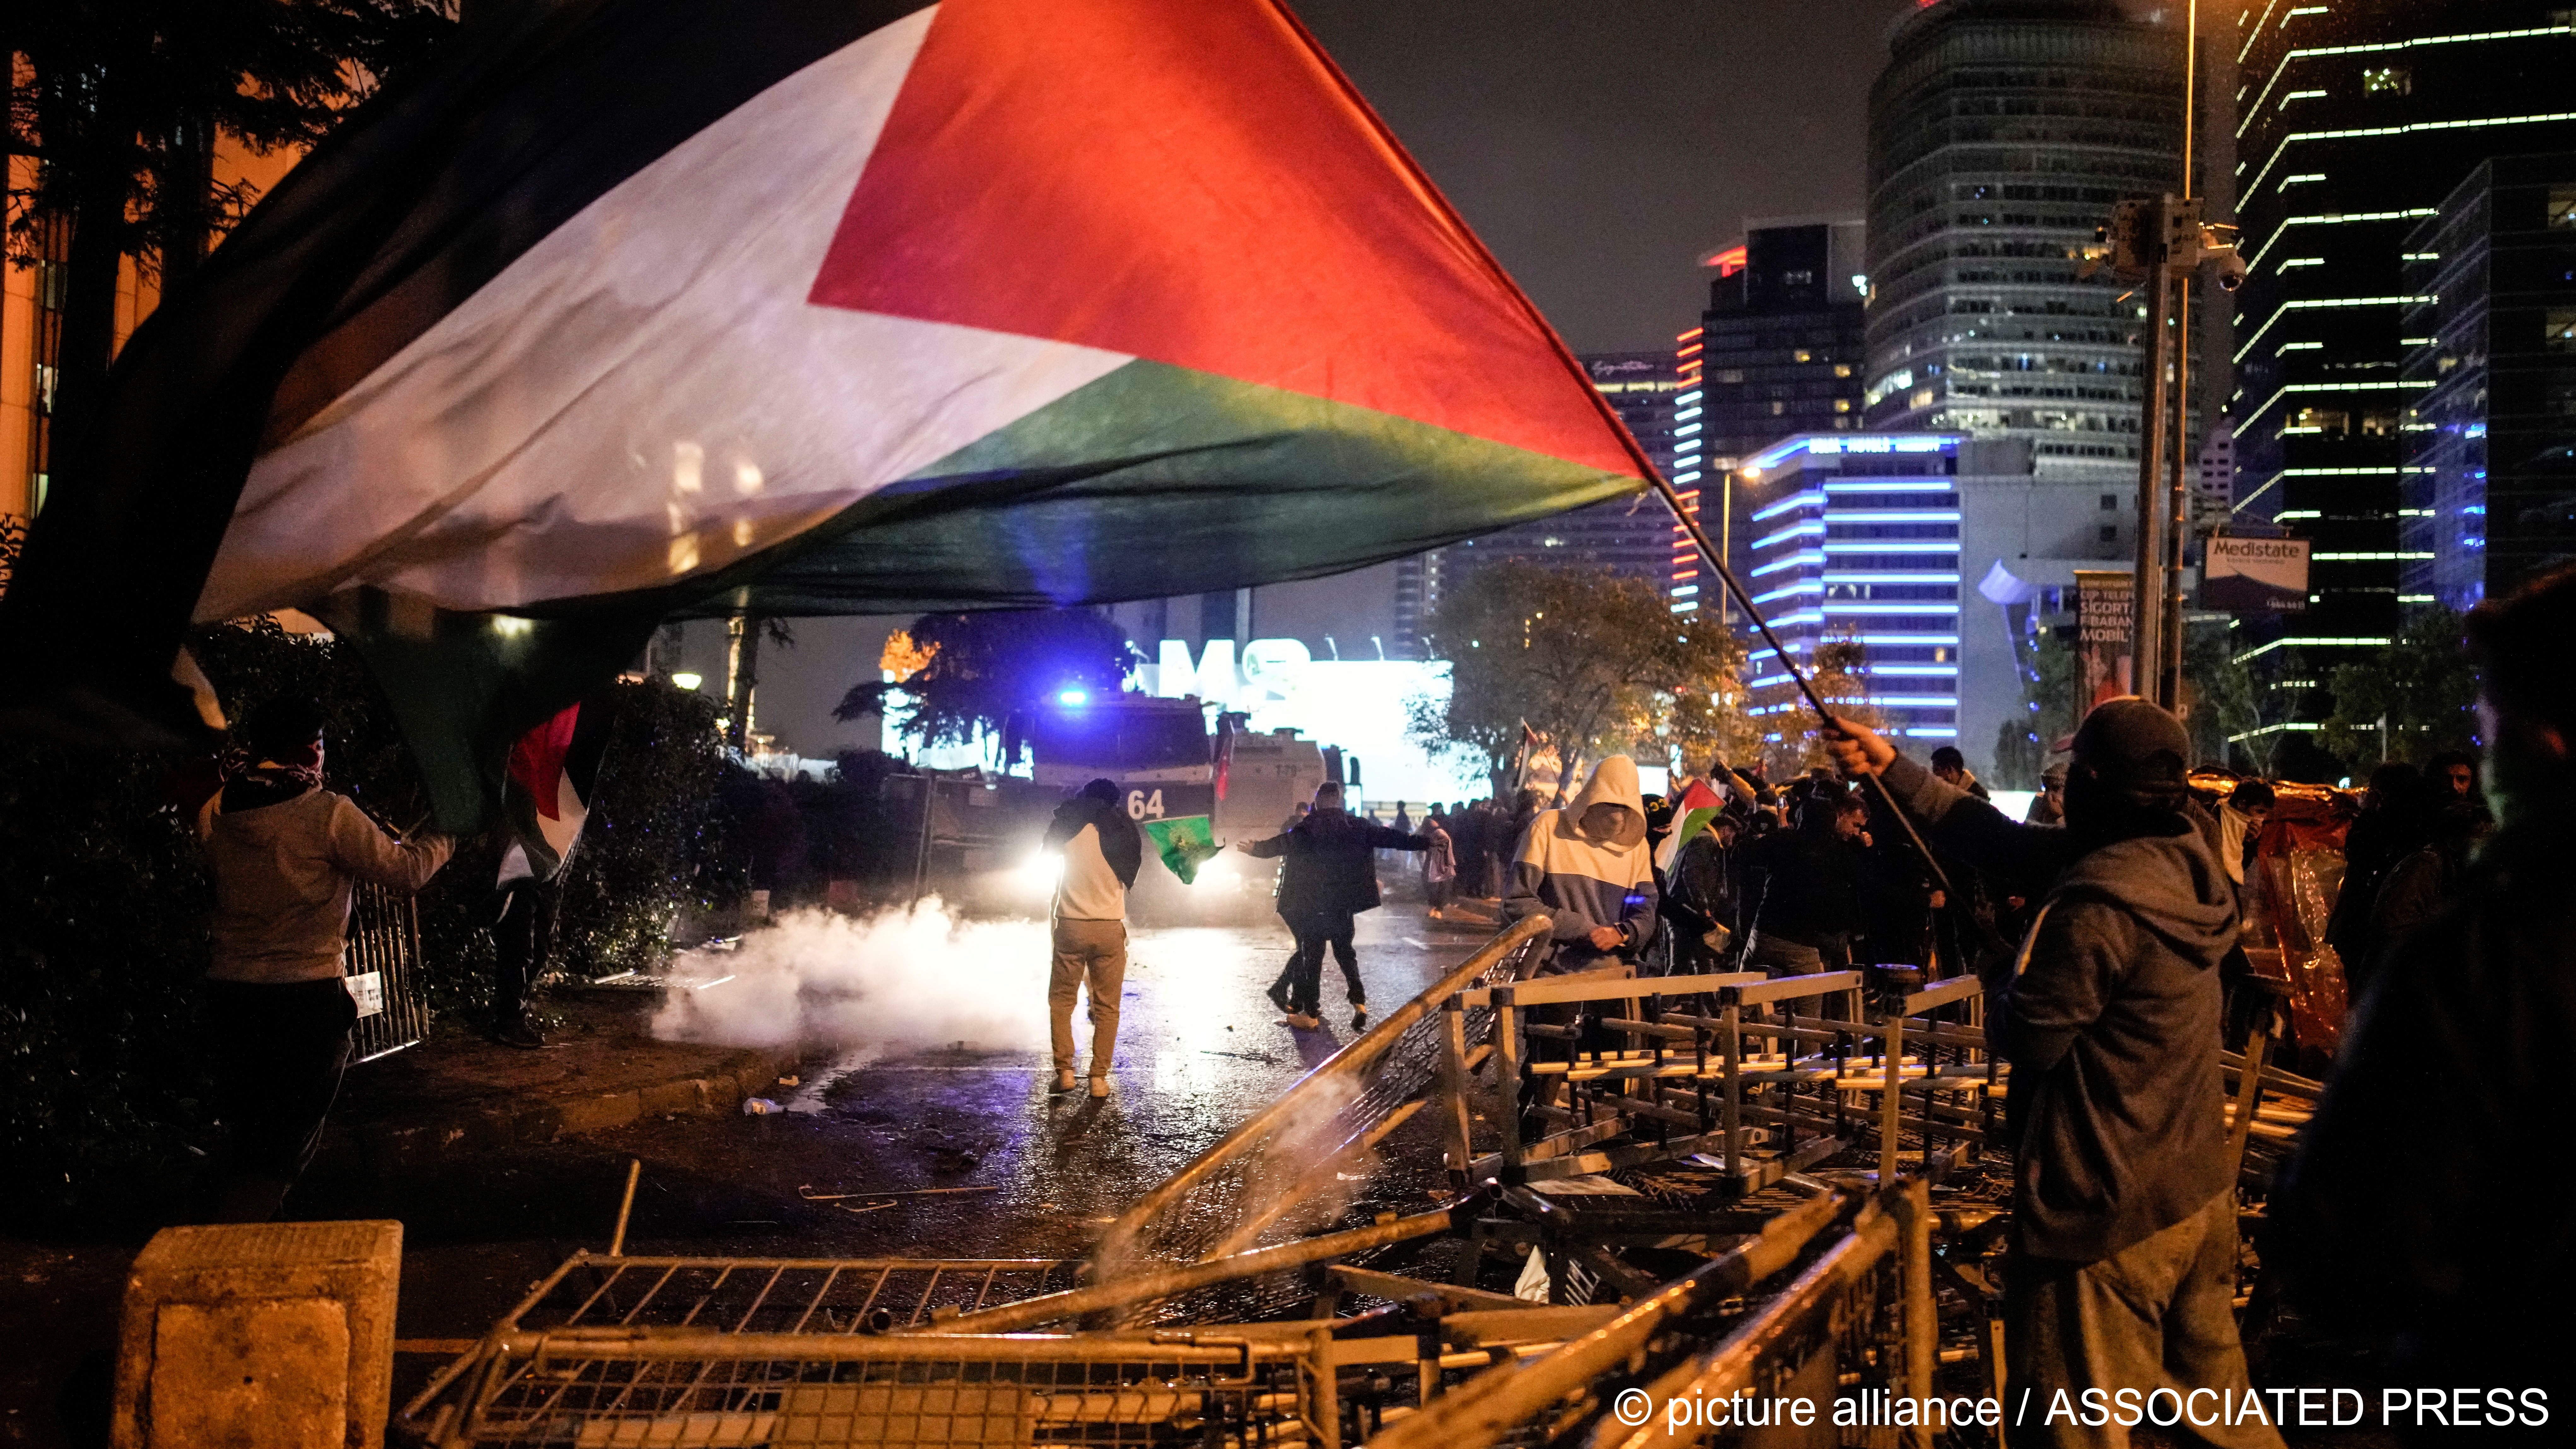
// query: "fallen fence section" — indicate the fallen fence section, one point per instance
point(1856, 1323)
point(1278, 1174)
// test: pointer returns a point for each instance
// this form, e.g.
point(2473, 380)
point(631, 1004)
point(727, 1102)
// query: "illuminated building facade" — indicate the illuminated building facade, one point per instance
point(1779, 352)
point(2002, 132)
point(2358, 119)
point(1858, 540)
point(2488, 496)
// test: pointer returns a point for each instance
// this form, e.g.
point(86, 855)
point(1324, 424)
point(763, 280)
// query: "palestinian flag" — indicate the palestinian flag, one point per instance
point(628, 309)
point(1185, 842)
point(549, 784)
point(1696, 811)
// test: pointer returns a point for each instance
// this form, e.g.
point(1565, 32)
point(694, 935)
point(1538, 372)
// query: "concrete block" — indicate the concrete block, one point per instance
point(598, 1114)
point(259, 1334)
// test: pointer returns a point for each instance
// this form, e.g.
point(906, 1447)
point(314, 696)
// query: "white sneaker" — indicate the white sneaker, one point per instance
point(1064, 1079)
point(1100, 1086)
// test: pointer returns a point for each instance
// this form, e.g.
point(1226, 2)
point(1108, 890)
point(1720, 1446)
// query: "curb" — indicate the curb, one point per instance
point(399, 1144)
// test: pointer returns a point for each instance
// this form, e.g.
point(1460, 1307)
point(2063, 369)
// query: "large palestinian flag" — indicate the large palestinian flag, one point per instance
point(633, 308)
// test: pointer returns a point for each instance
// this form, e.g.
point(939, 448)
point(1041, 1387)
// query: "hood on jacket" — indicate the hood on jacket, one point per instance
point(2173, 884)
point(1613, 782)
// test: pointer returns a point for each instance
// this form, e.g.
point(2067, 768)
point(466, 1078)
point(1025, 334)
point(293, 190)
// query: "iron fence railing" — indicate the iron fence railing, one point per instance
point(382, 968)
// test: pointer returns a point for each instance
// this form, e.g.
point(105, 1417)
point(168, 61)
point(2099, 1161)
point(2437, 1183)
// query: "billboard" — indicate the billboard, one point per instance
point(2255, 575)
point(2104, 606)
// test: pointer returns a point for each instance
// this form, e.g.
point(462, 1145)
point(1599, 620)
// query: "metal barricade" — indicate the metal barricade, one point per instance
point(1270, 1177)
point(671, 1351)
point(381, 965)
point(1853, 1322)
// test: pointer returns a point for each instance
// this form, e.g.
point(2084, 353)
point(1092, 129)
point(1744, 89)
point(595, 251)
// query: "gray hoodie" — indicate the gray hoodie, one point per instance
point(2113, 1027)
point(1582, 881)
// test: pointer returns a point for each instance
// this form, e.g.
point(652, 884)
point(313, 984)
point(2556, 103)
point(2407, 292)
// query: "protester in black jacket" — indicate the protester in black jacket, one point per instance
point(2123, 1265)
point(1328, 877)
point(2453, 1254)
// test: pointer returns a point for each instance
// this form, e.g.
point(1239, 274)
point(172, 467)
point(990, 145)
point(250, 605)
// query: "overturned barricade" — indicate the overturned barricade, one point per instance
point(1720, 1193)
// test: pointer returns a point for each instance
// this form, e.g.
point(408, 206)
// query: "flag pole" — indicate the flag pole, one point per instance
point(1716, 562)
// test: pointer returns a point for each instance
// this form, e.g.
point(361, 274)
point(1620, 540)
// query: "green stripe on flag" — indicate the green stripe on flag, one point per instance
point(1185, 842)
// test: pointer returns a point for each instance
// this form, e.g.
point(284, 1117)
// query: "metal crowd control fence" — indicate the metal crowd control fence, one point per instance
point(1268, 1176)
point(1856, 1322)
point(382, 969)
point(611, 1350)
point(1718, 1066)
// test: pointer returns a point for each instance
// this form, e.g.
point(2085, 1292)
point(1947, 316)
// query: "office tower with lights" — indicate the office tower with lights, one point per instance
point(1857, 541)
point(2001, 134)
point(1628, 536)
point(2358, 120)
point(2488, 495)
point(1777, 353)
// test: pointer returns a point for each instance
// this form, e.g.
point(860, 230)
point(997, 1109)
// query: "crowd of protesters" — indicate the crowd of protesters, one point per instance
point(2106, 925)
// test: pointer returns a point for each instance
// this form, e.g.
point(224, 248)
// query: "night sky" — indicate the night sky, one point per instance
point(1600, 146)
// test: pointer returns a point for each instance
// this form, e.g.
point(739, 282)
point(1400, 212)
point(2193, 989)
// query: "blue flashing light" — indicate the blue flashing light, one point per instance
point(1073, 698)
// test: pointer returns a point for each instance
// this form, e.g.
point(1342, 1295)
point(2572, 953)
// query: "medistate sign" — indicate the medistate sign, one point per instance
point(2256, 575)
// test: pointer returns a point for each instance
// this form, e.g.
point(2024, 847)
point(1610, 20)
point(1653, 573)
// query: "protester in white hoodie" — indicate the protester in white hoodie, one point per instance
point(1587, 868)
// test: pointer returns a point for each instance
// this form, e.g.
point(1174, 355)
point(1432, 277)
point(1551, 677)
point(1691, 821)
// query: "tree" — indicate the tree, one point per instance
point(964, 677)
point(2249, 699)
point(120, 102)
point(2046, 667)
point(2409, 701)
point(1589, 661)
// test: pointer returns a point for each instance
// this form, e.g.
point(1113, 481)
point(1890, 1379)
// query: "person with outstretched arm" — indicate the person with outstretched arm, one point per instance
point(2122, 1273)
point(287, 857)
point(1328, 877)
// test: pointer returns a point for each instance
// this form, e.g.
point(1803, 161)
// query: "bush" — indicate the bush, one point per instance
point(104, 896)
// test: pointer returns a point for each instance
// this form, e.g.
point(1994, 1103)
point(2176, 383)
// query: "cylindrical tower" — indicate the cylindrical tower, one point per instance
point(2000, 134)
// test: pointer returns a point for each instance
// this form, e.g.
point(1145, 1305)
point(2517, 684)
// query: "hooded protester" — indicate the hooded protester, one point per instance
point(1328, 875)
point(2447, 1256)
point(2123, 1267)
point(287, 857)
point(1439, 864)
point(1587, 868)
point(1103, 850)
point(2048, 807)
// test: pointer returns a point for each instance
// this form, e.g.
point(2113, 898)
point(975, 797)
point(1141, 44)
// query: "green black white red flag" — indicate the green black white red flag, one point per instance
point(633, 308)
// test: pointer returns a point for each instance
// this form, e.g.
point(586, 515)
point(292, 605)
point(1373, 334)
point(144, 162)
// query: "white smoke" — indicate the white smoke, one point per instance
point(921, 977)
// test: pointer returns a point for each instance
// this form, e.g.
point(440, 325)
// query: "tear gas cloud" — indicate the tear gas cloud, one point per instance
point(921, 977)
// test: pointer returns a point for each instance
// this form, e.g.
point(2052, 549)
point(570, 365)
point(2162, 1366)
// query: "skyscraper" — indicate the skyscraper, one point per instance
point(2001, 134)
point(1778, 353)
point(2489, 491)
point(2358, 119)
point(1629, 536)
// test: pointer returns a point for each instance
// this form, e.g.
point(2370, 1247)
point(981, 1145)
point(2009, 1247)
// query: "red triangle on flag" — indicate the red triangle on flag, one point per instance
point(1196, 184)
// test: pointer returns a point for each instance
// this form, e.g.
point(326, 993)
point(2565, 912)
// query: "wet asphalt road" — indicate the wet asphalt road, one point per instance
point(1200, 1048)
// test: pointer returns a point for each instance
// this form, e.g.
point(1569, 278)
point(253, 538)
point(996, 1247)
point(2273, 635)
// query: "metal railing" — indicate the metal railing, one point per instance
point(1270, 1177)
point(381, 964)
point(1857, 1321)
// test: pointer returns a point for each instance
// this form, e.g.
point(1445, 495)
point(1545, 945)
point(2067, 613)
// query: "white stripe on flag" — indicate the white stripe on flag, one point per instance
point(645, 394)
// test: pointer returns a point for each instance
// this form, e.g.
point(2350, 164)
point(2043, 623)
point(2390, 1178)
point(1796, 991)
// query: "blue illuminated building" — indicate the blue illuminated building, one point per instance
point(1855, 537)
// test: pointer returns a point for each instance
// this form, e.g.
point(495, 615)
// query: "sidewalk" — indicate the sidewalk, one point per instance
point(459, 1094)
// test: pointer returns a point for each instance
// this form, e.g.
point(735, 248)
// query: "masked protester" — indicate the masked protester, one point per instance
point(287, 857)
point(2454, 1059)
point(1586, 867)
point(2123, 1266)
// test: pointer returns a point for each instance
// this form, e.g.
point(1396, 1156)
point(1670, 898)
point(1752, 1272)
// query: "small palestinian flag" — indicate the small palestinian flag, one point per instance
point(547, 791)
point(1698, 808)
point(626, 309)
point(1185, 842)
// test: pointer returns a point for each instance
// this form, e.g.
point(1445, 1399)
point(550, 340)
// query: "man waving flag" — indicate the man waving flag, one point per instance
point(634, 308)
